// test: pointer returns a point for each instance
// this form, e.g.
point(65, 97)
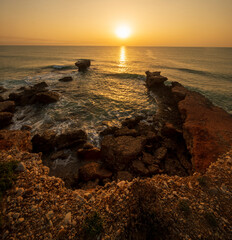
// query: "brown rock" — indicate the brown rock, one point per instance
point(1, 99)
point(93, 171)
point(154, 78)
point(160, 153)
point(2, 89)
point(83, 64)
point(5, 119)
point(7, 106)
point(124, 176)
point(66, 79)
point(60, 154)
point(47, 97)
point(88, 145)
point(148, 158)
point(125, 131)
point(139, 167)
point(108, 131)
point(153, 169)
point(120, 151)
point(207, 129)
point(15, 138)
point(89, 154)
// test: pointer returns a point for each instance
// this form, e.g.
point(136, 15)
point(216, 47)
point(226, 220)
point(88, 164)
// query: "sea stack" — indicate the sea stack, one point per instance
point(83, 64)
point(154, 79)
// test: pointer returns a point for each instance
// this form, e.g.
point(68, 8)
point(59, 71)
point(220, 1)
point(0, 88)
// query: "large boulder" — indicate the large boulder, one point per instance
point(89, 154)
point(5, 119)
point(207, 129)
point(93, 171)
point(7, 106)
point(154, 79)
point(118, 152)
point(15, 138)
point(83, 64)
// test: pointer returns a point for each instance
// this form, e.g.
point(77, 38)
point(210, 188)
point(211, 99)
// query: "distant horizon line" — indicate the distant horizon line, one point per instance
point(38, 45)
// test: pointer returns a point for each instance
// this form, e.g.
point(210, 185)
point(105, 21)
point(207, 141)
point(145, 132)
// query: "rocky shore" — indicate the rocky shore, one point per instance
point(165, 177)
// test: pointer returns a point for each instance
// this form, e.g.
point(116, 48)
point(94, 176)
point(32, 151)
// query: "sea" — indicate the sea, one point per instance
point(114, 86)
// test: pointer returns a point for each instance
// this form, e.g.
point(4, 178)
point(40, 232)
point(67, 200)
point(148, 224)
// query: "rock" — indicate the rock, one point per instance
point(124, 176)
point(26, 127)
point(88, 145)
point(68, 218)
point(83, 64)
point(21, 167)
point(160, 153)
point(47, 97)
point(125, 131)
point(20, 220)
point(108, 131)
point(60, 154)
point(40, 86)
point(5, 119)
point(139, 167)
point(118, 152)
point(207, 129)
point(92, 171)
point(170, 131)
point(89, 154)
point(7, 106)
point(49, 215)
point(148, 158)
point(1, 99)
point(15, 138)
point(2, 89)
point(153, 169)
point(70, 138)
point(132, 122)
point(66, 79)
point(154, 79)
point(44, 142)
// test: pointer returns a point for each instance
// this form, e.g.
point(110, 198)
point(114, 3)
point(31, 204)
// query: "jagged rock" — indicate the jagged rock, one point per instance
point(153, 169)
point(66, 79)
point(170, 131)
point(108, 131)
point(149, 159)
point(125, 131)
point(48, 140)
point(139, 167)
point(89, 154)
point(124, 176)
point(21, 167)
point(132, 122)
point(47, 97)
point(7, 106)
point(26, 127)
point(15, 138)
point(93, 171)
point(83, 64)
point(118, 152)
point(207, 129)
point(60, 154)
point(154, 79)
point(5, 119)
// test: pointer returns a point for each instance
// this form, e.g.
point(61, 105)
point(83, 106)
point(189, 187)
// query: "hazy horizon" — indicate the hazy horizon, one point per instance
point(155, 23)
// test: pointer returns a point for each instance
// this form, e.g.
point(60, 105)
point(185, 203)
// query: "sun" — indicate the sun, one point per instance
point(123, 31)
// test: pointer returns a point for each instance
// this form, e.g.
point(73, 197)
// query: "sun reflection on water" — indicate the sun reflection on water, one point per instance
point(122, 57)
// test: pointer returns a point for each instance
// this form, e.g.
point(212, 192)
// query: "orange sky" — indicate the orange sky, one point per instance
point(93, 22)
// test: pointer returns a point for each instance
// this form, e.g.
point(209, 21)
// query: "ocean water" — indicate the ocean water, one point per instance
point(113, 88)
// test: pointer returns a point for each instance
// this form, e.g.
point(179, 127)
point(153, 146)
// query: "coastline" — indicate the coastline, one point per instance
point(184, 125)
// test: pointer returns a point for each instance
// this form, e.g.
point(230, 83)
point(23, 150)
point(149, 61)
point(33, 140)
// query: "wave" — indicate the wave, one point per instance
point(125, 75)
point(59, 67)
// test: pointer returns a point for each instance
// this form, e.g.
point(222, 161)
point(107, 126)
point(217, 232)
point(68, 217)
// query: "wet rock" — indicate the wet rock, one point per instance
point(139, 167)
point(7, 106)
point(108, 131)
point(132, 122)
point(207, 129)
point(154, 78)
point(5, 119)
point(83, 64)
point(40, 86)
point(125, 131)
point(93, 171)
point(89, 154)
point(15, 138)
point(47, 97)
point(124, 176)
point(118, 152)
point(66, 79)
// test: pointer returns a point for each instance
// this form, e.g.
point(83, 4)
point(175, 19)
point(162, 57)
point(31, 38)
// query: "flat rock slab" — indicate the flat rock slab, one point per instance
point(207, 129)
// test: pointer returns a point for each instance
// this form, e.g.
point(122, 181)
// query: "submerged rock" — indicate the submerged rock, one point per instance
point(66, 79)
point(83, 64)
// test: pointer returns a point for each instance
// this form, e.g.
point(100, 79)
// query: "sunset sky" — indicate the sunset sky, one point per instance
point(94, 22)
